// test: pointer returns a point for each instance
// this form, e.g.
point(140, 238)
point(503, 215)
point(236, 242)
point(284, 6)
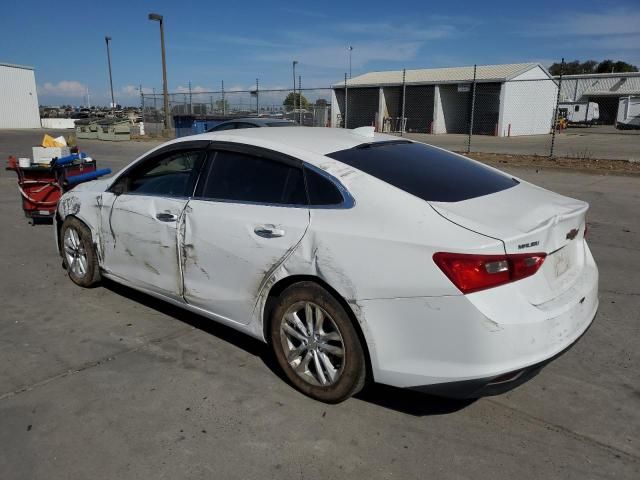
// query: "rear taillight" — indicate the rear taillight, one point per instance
point(472, 273)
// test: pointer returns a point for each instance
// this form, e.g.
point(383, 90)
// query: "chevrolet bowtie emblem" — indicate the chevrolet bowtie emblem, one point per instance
point(572, 234)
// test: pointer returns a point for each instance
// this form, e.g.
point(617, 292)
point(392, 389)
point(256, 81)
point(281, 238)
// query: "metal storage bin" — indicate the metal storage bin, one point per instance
point(114, 130)
point(86, 128)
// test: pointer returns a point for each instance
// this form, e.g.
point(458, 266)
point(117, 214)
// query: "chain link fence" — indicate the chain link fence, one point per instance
point(532, 114)
point(307, 106)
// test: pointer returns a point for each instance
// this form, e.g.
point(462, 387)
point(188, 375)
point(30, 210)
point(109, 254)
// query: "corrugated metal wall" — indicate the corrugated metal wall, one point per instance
point(18, 98)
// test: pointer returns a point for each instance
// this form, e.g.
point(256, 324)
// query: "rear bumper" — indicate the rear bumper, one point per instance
point(452, 346)
point(494, 385)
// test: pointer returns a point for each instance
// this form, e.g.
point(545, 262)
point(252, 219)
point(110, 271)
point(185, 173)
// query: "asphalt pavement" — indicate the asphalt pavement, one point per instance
point(108, 383)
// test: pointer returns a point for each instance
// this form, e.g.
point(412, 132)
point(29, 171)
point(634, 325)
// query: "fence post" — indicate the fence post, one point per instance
point(300, 101)
point(142, 105)
point(190, 100)
point(224, 105)
point(555, 113)
point(346, 102)
point(257, 98)
point(404, 91)
point(473, 107)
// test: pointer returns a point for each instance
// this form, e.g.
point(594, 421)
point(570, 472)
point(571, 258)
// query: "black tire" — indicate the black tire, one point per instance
point(91, 275)
point(352, 371)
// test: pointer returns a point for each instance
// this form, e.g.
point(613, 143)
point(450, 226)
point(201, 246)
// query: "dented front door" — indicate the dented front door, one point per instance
point(141, 241)
point(230, 249)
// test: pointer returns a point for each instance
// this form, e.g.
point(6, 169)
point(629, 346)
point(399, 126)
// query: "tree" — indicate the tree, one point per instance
point(576, 67)
point(300, 101)
point(609, 66)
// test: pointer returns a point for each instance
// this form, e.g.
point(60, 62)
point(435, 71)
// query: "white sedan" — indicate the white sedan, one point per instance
point(357, 256)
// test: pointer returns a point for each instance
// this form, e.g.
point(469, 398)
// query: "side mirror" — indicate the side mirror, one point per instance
point(118, 188)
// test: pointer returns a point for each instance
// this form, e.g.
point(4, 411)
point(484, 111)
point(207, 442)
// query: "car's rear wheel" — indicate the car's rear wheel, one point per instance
point(79, 253)
point(316, 343)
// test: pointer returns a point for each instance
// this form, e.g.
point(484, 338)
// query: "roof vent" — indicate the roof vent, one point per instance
point(367, 132)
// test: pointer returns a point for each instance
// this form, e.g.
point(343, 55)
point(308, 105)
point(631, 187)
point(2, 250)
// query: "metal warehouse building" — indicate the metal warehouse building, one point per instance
point(605, 89)
point(18, 97)
point(512, 99)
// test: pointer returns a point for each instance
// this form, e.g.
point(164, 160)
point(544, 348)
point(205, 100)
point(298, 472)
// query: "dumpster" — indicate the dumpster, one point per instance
point(183, 125)
point(194, 124)
point(114, 129)
point(87, 128)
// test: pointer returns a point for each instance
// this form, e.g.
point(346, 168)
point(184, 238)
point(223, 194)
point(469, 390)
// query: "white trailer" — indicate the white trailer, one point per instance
point(579, 113)
point(628, 113)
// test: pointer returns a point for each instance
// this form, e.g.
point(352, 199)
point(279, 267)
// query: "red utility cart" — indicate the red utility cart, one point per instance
point(42, 186)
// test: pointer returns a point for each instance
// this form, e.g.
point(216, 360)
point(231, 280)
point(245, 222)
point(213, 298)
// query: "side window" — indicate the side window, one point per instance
point(173, 175)
point(576, 108)
point(321, 190)
point(247, 178)
point(246, 125)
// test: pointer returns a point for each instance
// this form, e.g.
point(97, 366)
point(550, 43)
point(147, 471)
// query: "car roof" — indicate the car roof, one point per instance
point(317, 140)
point(256, 120)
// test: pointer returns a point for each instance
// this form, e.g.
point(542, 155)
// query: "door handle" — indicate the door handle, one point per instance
point(268, 231)
point(166, 217)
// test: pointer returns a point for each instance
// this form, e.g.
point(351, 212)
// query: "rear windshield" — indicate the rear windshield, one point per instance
point(424, 171)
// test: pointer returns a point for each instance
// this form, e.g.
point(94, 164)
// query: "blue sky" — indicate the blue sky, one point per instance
point(210, 41)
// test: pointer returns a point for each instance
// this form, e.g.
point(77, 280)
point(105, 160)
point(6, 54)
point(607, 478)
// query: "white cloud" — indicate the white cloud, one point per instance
point(336, 56)
point(134, 91)
point(621, 21)
point(64, 88)
point(194, 89)
point(399, 31)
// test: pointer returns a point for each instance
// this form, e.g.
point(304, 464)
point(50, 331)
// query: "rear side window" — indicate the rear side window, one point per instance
point(427, 172)
point(321, 190)
point(246, 178)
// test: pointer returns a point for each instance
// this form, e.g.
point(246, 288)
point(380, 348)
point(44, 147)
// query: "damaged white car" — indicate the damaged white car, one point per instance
point(357, 256)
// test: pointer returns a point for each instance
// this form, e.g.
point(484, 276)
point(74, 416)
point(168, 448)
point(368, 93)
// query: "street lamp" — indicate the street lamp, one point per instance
point(350, 50)
point(295, 62)
point(113, 102)
point(158, 18)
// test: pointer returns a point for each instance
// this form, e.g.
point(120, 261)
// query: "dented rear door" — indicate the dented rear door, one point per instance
point(249, 214)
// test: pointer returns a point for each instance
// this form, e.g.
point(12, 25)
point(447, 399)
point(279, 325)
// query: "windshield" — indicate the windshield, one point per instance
point(425, 171)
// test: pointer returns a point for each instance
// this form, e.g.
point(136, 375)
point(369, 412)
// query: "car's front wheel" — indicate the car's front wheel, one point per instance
point(79, 253)
point(316, 343)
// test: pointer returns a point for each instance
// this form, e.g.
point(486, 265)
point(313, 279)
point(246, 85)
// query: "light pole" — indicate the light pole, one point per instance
point(295, 62)
point(113, 102)
point(350, 50)
point(158, 18)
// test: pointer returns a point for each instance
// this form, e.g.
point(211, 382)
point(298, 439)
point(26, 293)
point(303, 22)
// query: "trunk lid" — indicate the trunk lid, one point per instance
point(530, 219)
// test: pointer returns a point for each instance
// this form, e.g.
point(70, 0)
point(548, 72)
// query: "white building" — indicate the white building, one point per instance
point(605, 89)
point(18, 97)
point(512, 99)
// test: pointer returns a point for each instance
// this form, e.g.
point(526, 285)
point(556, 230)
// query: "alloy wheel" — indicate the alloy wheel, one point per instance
point(312, 344)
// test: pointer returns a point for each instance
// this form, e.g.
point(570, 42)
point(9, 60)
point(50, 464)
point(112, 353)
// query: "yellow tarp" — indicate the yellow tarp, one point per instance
point(49, 141)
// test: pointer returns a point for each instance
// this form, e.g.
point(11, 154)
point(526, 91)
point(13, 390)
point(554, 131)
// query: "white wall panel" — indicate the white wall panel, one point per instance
point(18, 98)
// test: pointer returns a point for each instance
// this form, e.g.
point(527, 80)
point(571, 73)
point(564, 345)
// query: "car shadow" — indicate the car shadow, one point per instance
point(398, 399)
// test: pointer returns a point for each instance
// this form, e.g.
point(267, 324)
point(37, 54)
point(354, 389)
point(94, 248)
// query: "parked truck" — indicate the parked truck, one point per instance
point(628, 113)
point(579, 113)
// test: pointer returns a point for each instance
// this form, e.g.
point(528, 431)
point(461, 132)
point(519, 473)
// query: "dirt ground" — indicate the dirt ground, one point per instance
point(498, 160)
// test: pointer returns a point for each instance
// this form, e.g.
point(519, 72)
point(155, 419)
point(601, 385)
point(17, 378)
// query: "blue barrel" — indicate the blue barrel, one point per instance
point(70, 158)
point(85, 177)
